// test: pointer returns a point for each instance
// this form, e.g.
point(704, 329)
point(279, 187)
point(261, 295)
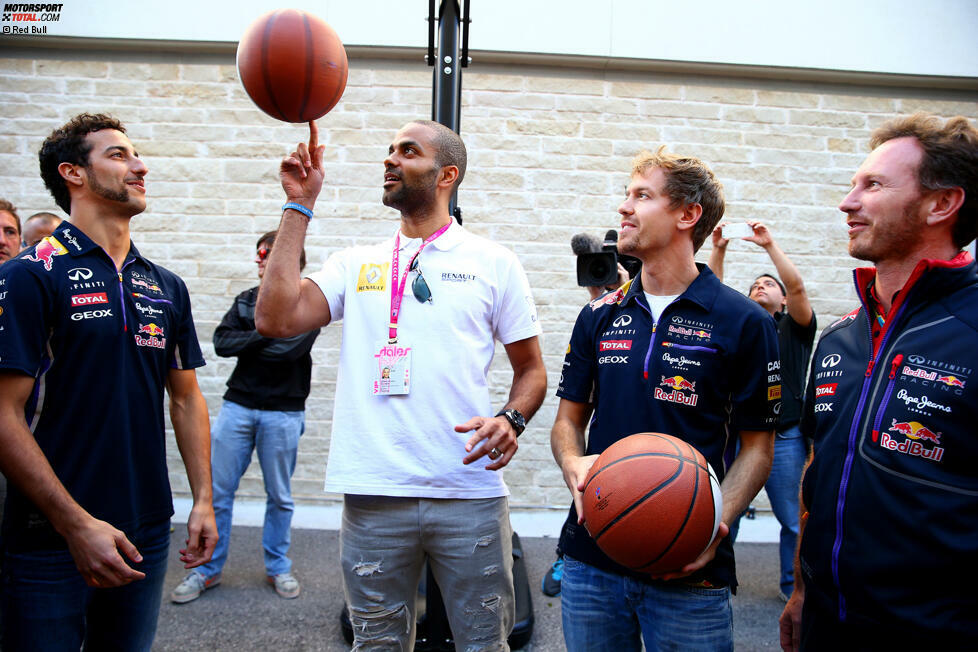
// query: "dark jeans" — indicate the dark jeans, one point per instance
point(46, 605)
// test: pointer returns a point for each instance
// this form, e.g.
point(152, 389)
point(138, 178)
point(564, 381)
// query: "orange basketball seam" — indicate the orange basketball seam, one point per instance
point(265, 73)
point(635, 504)
point(682, 527)
point(310, 63)
point(679, 457)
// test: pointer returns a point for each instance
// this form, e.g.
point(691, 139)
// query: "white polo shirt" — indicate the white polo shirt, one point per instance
point(407, 445)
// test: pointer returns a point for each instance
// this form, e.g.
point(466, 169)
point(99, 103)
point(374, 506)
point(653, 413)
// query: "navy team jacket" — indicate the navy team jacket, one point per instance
point(892, 493)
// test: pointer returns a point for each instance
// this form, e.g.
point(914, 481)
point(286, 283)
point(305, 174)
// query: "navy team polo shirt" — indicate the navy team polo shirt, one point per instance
point(99, 343)
point(708, 369)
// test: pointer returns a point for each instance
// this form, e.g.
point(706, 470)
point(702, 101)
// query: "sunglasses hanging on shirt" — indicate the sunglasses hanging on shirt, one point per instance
point(419, 286)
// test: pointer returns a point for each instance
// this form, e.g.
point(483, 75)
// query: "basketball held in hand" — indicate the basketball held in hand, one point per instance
point(292, 65)
point(652, 503)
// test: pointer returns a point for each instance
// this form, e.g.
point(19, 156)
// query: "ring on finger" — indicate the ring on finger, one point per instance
point(494, 453)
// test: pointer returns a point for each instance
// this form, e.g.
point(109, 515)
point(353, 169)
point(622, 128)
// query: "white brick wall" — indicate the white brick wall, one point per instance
point(549, 156)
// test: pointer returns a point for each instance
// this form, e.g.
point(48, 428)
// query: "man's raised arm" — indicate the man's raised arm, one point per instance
point(287, 304)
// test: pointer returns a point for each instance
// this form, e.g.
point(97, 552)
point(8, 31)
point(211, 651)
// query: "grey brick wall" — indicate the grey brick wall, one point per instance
point(549, 157)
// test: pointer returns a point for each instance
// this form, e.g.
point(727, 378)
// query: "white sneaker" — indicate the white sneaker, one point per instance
point(192, 586)
point(286, 585)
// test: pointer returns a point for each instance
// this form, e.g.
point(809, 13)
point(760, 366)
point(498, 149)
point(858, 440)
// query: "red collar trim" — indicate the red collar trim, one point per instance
point(866, 277)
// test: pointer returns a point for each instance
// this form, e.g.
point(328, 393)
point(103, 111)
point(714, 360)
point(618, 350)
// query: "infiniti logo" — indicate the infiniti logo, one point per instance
point(916, 359)
point(79, 274)
point(623, 320)
point(831, 360)
point(677, 320)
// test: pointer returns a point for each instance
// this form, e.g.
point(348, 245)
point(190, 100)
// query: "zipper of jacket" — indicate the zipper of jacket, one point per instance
point(140, 295)
point(648, 354)
point(688, 347)
point(122, 296)
point(851, 449)
point(886, 396)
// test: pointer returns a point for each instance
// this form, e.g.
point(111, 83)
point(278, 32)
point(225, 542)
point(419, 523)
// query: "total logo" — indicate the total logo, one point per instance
point(88, 299)
point(155, 333)
point(90, 314)
point(678, 384)
point(615, 345)
point(826, 390)
point(916, 434)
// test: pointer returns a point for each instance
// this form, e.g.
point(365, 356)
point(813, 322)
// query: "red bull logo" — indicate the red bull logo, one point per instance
point(148, 286)
point(151, 329)
point(913, 448)
point(952, 381)
point(915, 430)
point(608, 299)
point(678, 382)
point(702, 333)
point(155, 339)
point(45, 251)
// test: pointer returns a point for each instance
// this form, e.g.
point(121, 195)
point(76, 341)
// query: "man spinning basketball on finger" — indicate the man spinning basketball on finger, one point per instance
point(420, 313)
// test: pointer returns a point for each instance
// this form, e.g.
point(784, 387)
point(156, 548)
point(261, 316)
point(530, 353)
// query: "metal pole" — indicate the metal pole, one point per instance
point(446, 101)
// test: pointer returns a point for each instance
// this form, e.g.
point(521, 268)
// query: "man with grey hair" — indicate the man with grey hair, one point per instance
point(421, 313)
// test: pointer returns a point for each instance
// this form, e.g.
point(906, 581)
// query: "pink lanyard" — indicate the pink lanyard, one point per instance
point(397, 286)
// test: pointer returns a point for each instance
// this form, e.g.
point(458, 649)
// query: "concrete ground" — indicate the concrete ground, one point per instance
point(244, 614)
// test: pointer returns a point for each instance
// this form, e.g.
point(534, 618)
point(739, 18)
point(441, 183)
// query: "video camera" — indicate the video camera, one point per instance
point(597, 262)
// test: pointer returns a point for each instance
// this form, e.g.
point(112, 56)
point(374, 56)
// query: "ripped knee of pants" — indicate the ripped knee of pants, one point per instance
point(381, 628)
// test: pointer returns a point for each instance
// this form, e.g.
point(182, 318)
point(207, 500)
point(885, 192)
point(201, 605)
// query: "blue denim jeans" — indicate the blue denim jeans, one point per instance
point(469, 546)
point(46, 604)
point(275, 435)
point(607, 612)
point(782, 489)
